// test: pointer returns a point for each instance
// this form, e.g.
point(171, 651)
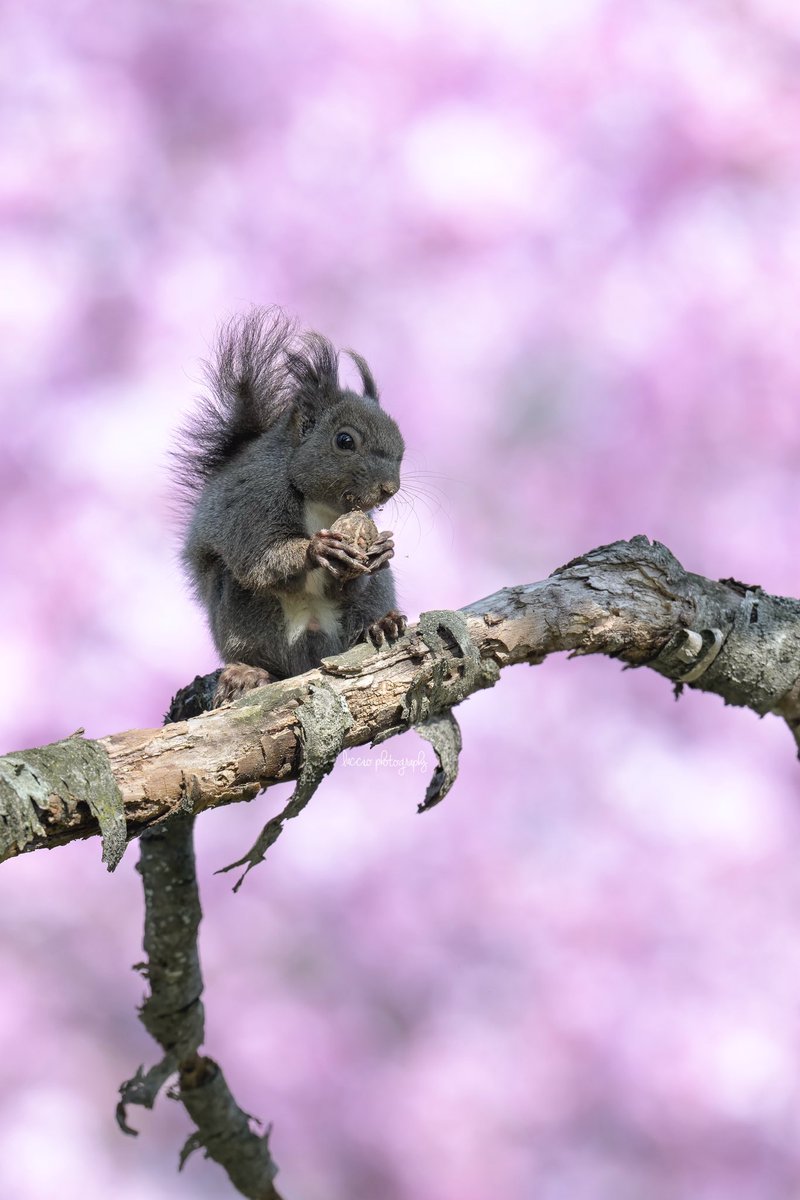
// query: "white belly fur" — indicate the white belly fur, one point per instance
point(311, 609)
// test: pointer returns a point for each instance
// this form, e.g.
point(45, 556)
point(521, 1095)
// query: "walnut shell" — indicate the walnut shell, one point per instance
point(359, 529)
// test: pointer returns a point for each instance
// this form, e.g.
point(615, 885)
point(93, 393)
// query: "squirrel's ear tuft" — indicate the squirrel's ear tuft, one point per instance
point(313, 369)
point(367, 378)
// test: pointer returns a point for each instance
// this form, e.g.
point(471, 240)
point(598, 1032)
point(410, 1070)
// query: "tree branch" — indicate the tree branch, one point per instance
point(630, 600)
point(173, 1012)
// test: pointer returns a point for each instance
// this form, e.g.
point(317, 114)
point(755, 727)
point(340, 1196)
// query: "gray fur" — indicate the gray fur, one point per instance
point(262, 473)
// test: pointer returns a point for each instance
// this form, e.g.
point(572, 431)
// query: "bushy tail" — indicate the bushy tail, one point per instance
point(249, 386)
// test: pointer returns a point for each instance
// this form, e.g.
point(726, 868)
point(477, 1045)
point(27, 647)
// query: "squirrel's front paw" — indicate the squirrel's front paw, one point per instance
point(332, 551)
point(236, 679)
point(387, 629)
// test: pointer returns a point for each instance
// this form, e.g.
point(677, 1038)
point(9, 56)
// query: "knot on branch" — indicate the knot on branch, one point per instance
point(687, 646)
point(453, 670)
point(752, 659)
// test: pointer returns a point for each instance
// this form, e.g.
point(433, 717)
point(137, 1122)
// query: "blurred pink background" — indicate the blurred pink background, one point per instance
point(567, 239)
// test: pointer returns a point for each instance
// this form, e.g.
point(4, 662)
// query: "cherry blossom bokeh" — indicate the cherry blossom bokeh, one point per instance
point(567, 239)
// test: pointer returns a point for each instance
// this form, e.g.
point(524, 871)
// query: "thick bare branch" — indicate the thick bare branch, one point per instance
point(630, 600)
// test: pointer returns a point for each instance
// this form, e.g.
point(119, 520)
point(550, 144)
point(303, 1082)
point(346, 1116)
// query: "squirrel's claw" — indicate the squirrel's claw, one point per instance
point(387, 628)
point(328, 550)
point(381, 550)
point(377, 564)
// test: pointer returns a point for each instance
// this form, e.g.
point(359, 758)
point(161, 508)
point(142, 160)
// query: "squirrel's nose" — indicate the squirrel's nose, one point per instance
point(388, 489)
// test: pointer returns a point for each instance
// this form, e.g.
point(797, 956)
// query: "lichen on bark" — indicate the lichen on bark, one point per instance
point(44, 787)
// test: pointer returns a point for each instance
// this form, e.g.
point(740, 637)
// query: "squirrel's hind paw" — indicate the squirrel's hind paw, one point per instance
point(238, 678)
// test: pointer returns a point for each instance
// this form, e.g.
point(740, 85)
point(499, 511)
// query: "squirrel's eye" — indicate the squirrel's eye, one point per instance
point(345, 441)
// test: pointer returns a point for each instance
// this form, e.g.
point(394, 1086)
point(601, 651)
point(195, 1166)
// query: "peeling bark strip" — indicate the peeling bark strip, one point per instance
point(324, 720)
point(630, 600)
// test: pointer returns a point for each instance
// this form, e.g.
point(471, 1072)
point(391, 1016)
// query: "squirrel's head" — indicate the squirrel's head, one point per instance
point(346, 450)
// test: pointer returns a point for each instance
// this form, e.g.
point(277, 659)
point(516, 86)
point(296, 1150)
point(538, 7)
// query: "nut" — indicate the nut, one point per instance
point(359, 530)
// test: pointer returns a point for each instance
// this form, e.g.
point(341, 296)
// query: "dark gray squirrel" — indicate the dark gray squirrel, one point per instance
point(277, 452)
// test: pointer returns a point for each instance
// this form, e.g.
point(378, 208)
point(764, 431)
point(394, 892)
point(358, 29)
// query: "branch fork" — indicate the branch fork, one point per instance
point(631, 601)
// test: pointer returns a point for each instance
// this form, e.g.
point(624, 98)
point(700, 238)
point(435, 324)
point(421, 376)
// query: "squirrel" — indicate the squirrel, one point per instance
point(277, 452)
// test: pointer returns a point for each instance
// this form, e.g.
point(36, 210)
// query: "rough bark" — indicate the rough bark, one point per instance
point(630, 600)
point(173, 1012)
